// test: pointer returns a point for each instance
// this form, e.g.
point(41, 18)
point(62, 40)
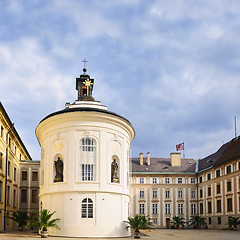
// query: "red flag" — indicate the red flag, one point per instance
point(180, 146)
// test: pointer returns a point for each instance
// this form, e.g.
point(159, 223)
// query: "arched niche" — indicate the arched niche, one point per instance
point(115, 169)
point(58, 166)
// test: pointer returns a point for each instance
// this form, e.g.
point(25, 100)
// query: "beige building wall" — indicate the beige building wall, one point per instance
point(16, 153)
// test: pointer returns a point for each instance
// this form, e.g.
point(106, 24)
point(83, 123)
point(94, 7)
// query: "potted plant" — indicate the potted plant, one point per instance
point(139, 222)
point(234, 221)
point(43, 221)
point(178, 221)
point(21, 218)
point(197, 220)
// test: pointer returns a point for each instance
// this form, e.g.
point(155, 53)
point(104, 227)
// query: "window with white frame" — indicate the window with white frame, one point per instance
point(167, 194)
point(154, 193)
point(193, 180)
point(88, 160)
point(193, 194)
point(180, 208)
point(193, 208)
point(87, 208)
point(141, 208)
point(141, 194)
point(167, 208)
point(141, 180)
point(180, 181)
point(167, 180)
point(154, 180)
point(154, 208)
point(180, 195)
point(154, 220)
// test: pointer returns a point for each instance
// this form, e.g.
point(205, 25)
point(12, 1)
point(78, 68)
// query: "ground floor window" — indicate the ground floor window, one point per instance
point(219, 220)
point(180, 208)
point(154, 220)
point(141, 208)
point(193, 208)
point(87, 208)
point(167, 208)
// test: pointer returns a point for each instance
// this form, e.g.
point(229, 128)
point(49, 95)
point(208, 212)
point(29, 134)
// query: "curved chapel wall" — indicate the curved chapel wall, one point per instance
point(60, 136)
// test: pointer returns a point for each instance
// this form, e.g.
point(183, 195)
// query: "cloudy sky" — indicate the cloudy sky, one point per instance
point(171, 67)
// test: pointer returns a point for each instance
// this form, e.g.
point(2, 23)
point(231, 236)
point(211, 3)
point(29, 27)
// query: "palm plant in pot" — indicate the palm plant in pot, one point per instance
point(234, 221)
point(43, 220)
point(21, 218)
point(139, 222)
point(178, 221)
point(197, 220)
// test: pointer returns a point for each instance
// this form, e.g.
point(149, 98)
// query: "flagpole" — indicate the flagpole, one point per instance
point(183, 151)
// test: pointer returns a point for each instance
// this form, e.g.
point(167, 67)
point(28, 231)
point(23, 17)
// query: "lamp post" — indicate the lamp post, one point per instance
point(6, 174)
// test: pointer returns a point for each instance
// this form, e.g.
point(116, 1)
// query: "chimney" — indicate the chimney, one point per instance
point(141, 158)
point(148, 158)
point(175, 159)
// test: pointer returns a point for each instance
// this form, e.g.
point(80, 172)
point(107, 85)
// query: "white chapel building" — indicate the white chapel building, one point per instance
point(85, 166)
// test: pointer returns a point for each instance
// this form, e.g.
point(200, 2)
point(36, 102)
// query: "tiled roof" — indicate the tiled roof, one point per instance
point(232, 152)
point(163, 165)
point(210, 160)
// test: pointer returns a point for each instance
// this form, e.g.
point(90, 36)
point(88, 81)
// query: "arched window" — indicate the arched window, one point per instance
point(88, 159)
point(87, 208)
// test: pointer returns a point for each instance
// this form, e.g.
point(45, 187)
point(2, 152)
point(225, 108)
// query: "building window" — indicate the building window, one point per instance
point(9, 168)
point(201, 208)
point(34, 176)
point(8, 195)
point(24, 175)
point(209, 176)
point(201, 193)
point(219, 220)
point(200, 179)
point(154, 193)
point(154, 220)
point(193, 194)
point(141, 180)
point(34, 196)
point(180, 195)
point(1, 159)
point(87, 208)
point(141, 208)
point(218, 189)
point(180, 208)
point(238, 165)
point(88, 159)
point(228, 169)
point(2, 132)
point(229, 204)
point(210, 220)
point(15, 174)
point(0, 191)
point(14, 198)
point(154, 180)
point(229, 186)
point(193, 180)
point(218, 173)
point(154, 208)
point(167, 208)
point(209, 207)
point(141, 194)
point(179, 180)
point(219, 208)
point(24, 195)
point(209, 191)
point(167, 180)
point(193, 208)
point(167, 194)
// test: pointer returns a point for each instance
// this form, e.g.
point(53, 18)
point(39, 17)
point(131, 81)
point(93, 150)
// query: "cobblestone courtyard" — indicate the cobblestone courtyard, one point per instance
point(164, 234)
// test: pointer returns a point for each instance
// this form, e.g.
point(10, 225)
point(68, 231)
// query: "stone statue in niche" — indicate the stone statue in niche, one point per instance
point(59, 170)
point(114, 172)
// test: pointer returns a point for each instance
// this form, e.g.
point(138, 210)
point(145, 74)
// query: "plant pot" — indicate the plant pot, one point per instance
point(44, 234)
point(137, 235)
point(20, 228)
point(197, 227)
point(176, 227)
